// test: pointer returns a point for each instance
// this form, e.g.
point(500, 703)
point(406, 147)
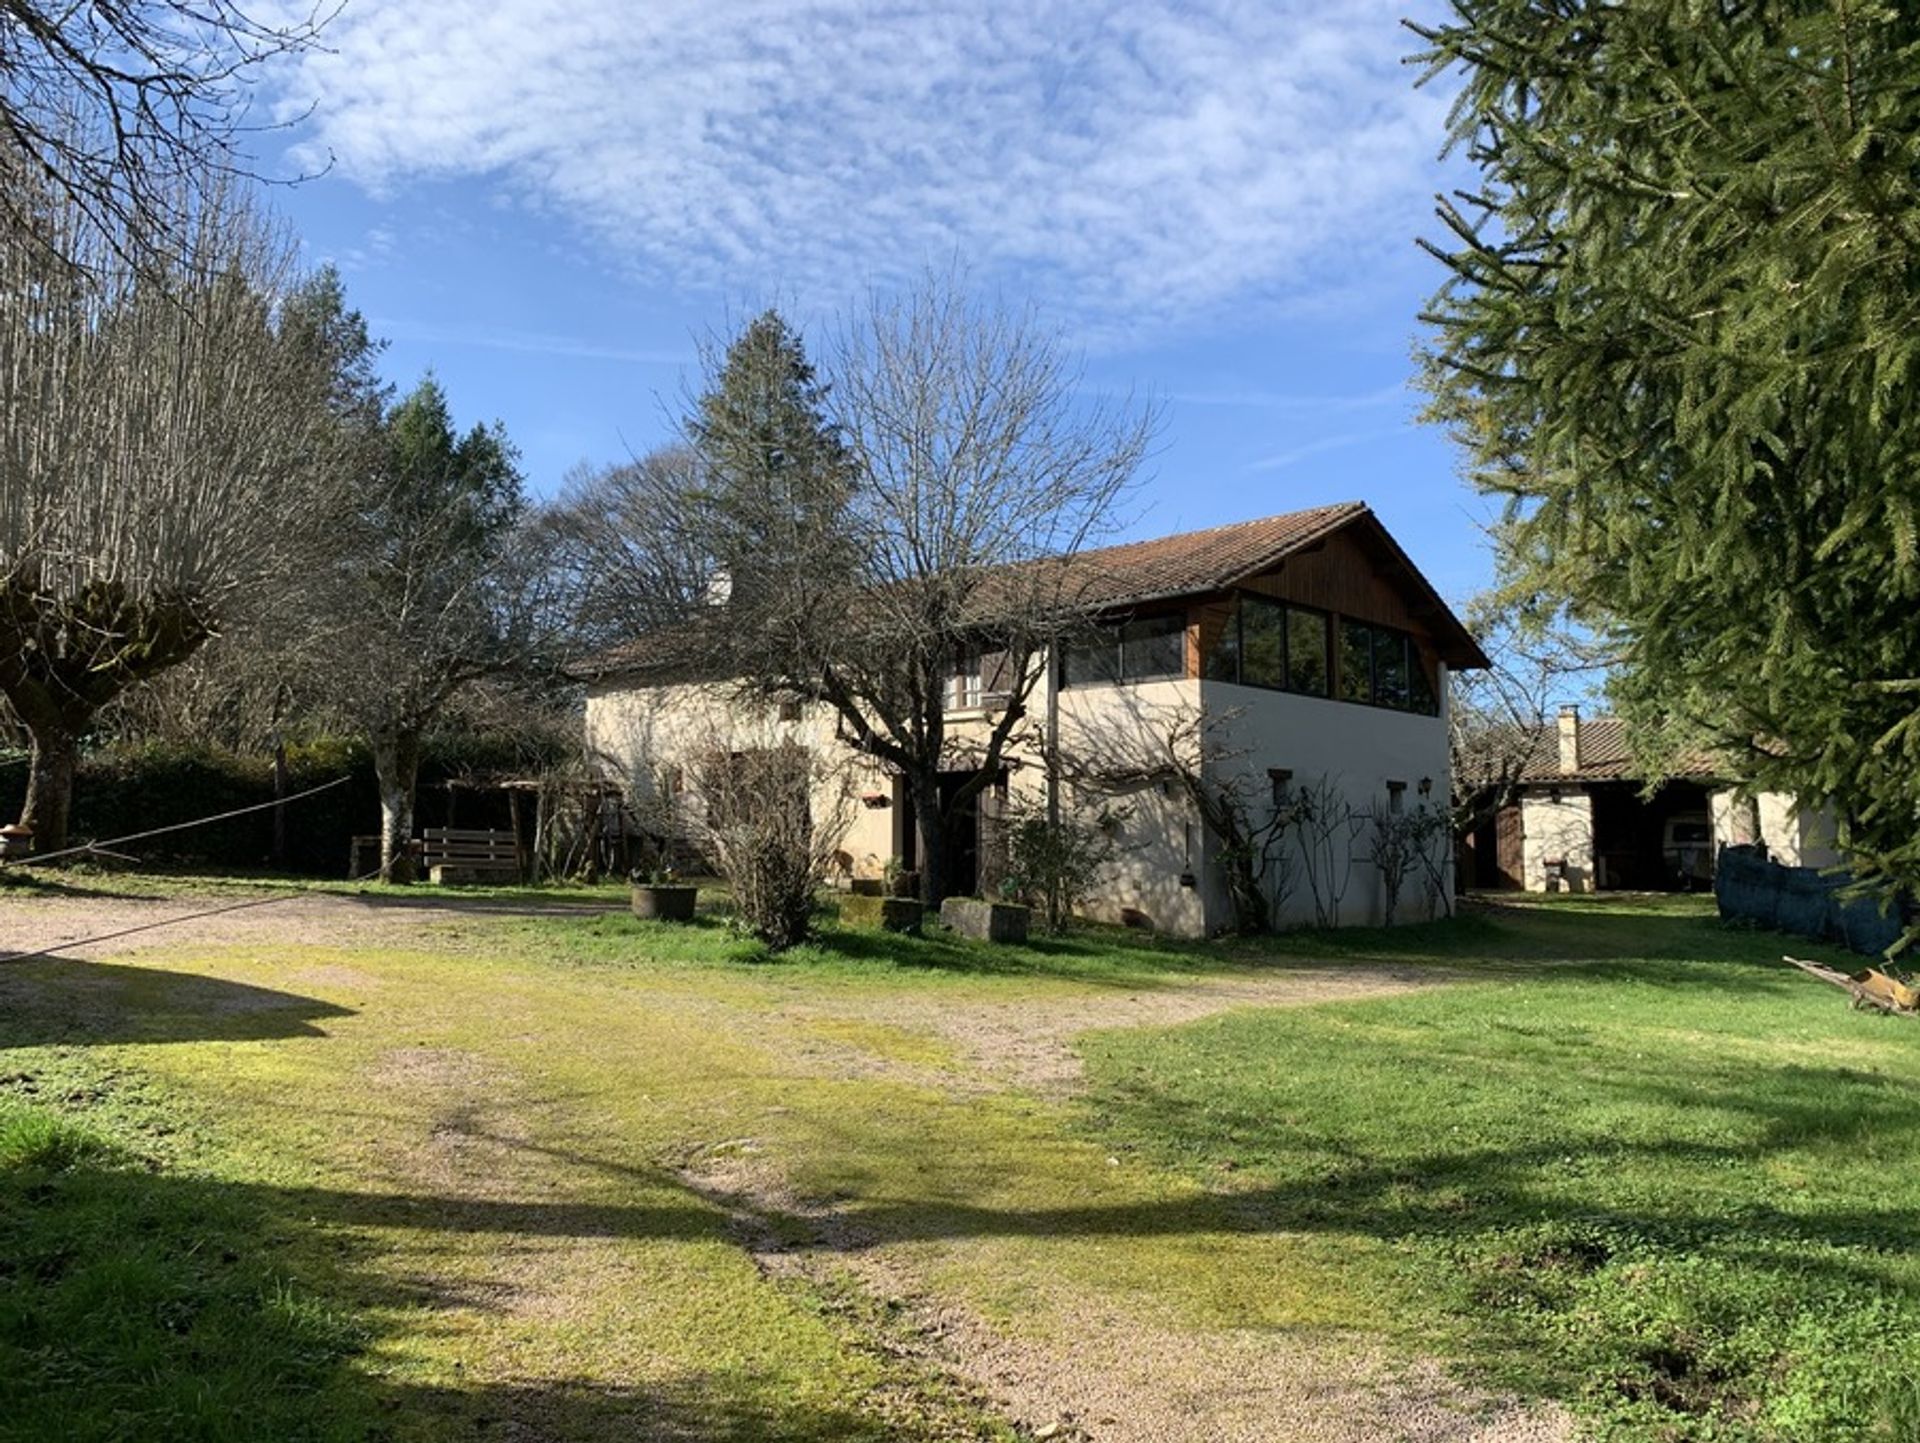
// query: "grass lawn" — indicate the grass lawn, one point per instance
point(506, 1175)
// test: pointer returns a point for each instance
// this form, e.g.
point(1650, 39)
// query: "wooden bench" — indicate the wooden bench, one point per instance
point(454, 854)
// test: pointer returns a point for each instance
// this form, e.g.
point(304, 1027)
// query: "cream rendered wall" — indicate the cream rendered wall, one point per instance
point(1361, 748)
point(1558, 827)
point(636, 731)
point(1159, 838)
point(1734, 818)
point(1796, 836)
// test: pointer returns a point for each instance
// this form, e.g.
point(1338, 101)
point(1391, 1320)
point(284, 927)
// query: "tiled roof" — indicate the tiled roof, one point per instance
point(1195, 561)
point(1137, 573)
point(1606, 755)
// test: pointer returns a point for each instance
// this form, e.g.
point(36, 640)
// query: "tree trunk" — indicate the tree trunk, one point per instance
point(279, 797)
point(932, 826)
point(49, 803)
point(396, 766)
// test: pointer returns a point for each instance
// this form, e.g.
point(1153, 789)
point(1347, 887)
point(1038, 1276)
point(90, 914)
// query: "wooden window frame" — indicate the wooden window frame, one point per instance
point(1117, 631)
point(1286, 610)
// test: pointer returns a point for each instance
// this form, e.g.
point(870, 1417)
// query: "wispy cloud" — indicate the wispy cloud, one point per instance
point(1292, 401)
point(1158, 161)
point(1280, 460)
point(526, 342)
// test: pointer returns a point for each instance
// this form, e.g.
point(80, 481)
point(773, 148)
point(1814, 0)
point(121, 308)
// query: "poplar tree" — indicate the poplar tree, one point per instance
point(1679, 339)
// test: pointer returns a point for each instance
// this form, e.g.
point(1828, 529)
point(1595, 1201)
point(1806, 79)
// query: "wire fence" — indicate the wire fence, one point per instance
point(107, 849)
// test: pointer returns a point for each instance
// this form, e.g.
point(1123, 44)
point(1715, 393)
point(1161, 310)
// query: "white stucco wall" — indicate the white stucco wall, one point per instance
point(1163, 871)
point(1558, 828)
point(1159, 837)
point(1359, 748)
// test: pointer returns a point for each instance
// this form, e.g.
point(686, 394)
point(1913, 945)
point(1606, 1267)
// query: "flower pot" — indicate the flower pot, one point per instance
point(665, 903)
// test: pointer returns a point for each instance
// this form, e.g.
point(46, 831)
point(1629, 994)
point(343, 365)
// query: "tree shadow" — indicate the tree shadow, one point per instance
point(149, 1304)
point(709, 1407)
point(66, 1001)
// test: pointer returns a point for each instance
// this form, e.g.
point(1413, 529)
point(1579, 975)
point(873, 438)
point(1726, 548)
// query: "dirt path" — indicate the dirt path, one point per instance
point(1123, 1374)
point(97, 926)
point(1091, 1369)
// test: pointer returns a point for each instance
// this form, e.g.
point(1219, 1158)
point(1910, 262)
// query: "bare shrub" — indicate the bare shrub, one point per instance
point(1326, 825)
point(773, 819)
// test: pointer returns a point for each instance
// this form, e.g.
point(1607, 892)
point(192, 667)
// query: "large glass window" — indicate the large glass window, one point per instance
point(1390, 668)
point(1155, 646)
point(1140, 650)
point(1383, 667)
point(1263, 643)
point(1223, 659)
point(1269, 644)
point(1356, 661)
point(1306, 651)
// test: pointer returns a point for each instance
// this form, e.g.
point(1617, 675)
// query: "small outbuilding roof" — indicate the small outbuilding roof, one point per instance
point(1605, 754)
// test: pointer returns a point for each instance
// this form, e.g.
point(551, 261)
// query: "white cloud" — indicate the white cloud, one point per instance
point(1134, 163)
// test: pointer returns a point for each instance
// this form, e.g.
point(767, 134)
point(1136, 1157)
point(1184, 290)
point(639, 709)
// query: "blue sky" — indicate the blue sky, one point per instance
point(550, 201)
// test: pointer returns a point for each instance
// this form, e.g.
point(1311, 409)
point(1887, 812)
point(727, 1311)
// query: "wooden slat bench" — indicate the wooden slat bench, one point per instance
point(455, 854)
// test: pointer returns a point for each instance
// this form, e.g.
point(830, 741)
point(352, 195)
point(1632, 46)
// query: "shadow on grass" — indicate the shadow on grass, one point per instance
point(69, 1002)
point(732, 1408)
point(141, 1304)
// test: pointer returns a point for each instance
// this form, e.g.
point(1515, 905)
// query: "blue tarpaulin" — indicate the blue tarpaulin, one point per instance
point(1802, 900)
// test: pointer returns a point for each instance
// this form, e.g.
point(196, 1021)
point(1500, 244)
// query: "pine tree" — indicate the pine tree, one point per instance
point(1679, 339)
point(777, 479)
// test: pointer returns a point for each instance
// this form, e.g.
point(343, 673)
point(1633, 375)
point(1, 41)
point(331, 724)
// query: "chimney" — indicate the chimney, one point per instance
point(1569, 739)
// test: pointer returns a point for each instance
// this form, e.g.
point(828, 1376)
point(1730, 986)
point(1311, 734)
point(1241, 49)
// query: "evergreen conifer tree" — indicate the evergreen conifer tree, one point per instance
point(776, 475)
point(1680, 338)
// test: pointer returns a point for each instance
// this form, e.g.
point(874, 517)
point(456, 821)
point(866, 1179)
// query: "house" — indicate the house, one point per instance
point(1583, 819)
point(1309, 647)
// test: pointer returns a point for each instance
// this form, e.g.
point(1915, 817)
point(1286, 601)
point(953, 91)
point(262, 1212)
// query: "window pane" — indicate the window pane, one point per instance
point(1156, 646)
point(1094, 659)
point(1420, 690)
point(1356, 661)
point(1263, 639)
point(1306, 651)
point(1390, 686)
point(1223, 661)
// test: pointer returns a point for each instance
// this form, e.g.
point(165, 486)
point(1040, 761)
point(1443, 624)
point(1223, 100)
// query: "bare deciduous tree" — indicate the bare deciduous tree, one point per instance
point(126, 113)
point(924, 507)
point(1498, 717)
point(979, 472)
point(164, 446)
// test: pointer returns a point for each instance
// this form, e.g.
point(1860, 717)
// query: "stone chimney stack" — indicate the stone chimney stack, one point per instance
point(1569, 739)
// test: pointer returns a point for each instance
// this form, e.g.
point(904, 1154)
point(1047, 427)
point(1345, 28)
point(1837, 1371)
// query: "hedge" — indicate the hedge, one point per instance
point(126, 789)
